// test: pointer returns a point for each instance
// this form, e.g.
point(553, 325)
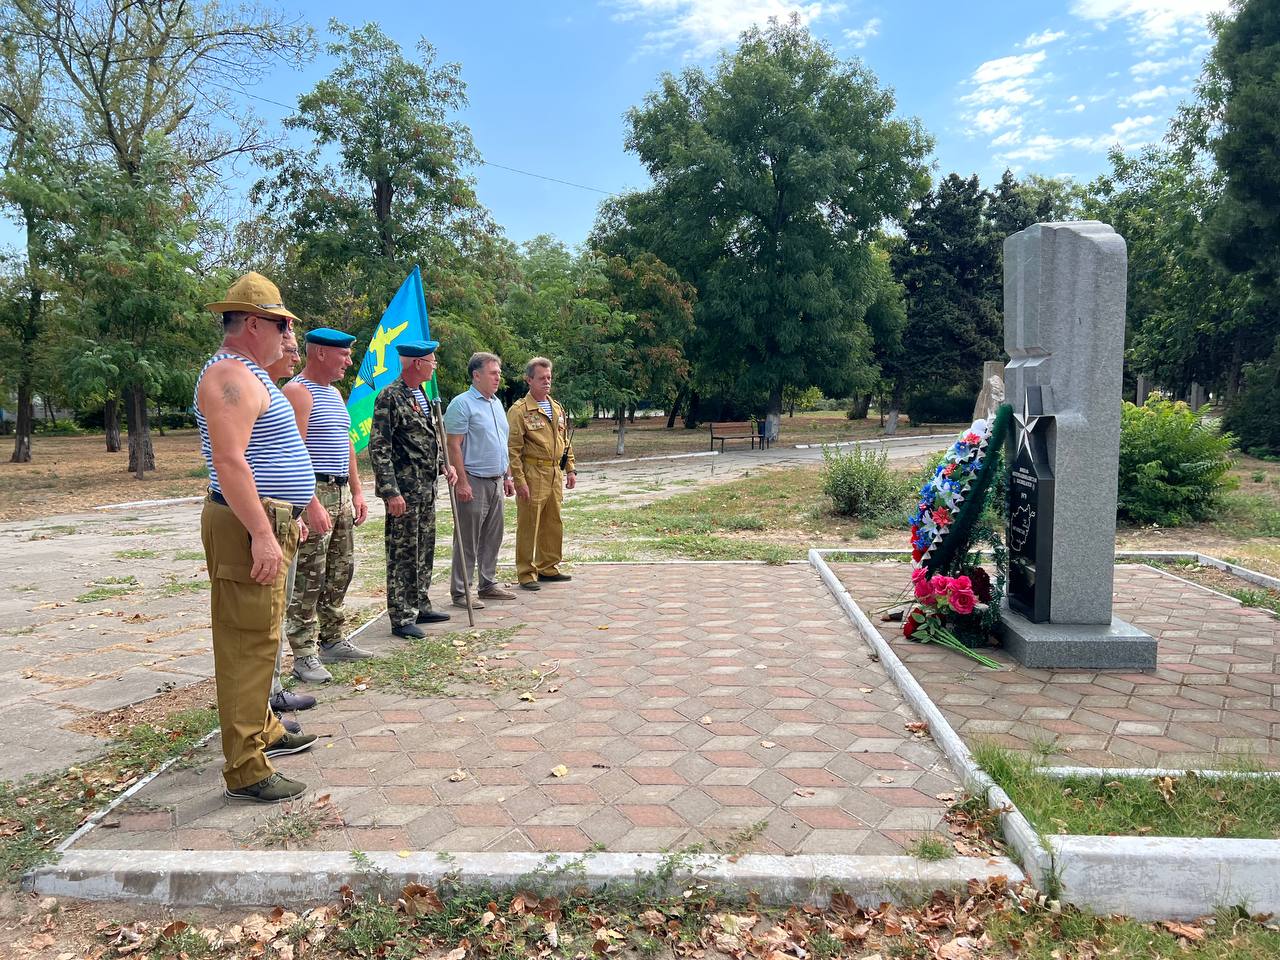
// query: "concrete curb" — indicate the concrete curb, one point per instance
point(268, 877)
point(879, 440)
point(1205, 560)
point(1154, 878)
point(1018, 831)
point(1147, 878)
point(1147, 772)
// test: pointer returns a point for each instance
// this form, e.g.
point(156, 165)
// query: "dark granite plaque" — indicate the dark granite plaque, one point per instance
point(1030, 512)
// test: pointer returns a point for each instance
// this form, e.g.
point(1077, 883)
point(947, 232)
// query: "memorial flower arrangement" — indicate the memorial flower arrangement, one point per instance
point(955, 601)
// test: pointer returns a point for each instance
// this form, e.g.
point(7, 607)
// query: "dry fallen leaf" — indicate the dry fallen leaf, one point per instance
point(560, 771)
point(806, 792)
point(528, 697)
point(458, 776)
point(768, 744)
point(704, 721)
point(1192, 933)
point(885, 779)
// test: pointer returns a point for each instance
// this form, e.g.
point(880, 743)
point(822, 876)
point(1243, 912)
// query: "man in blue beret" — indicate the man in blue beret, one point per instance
point(326, 559)
point(407, 458)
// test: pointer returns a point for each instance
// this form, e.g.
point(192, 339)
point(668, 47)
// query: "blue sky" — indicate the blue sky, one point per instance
point(1043, 87)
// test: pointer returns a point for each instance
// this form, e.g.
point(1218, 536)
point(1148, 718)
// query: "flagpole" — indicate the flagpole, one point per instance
point(453, 501)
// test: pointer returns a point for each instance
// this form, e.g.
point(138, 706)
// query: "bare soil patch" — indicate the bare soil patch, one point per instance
point(154, 710)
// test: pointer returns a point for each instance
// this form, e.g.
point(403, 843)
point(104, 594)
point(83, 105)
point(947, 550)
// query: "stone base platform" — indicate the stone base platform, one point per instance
point(1115, 646)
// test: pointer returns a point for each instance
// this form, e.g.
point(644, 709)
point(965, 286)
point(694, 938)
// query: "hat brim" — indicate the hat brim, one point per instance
point(239, 306)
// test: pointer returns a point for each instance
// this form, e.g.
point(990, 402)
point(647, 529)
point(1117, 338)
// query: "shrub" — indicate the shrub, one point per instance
point(1173, 468)
point(953, 405)
point(1253, 416)
point(860, 483)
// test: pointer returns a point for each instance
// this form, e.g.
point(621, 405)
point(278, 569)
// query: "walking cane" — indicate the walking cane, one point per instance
point(453, 507)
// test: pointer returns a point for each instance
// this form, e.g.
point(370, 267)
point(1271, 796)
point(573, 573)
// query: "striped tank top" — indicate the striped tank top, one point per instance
point(328, 436)
point(276, 455)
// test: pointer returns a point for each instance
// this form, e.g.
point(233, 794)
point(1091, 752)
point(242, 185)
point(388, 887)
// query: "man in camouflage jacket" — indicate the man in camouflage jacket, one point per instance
point(407, 458)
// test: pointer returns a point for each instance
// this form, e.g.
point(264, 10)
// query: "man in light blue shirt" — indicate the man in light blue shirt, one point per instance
point(476, 427)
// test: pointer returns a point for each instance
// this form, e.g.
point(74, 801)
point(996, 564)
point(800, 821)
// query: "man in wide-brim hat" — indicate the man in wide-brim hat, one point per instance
point(260, 479)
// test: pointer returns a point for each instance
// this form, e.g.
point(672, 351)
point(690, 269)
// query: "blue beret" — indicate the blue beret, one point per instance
point(325, 337)
point(416, 348)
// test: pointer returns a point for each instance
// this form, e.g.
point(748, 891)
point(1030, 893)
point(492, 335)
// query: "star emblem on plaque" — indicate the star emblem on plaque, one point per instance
point(1031, 509)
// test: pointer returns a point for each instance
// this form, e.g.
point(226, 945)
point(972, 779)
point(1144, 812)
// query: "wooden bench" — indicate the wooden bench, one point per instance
point(737, 430)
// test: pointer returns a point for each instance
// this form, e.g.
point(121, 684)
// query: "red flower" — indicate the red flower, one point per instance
point(950, 469)
point(916, 554)
point(909, 627)
point(920, 579)
point(972, 438)
point(941, 517)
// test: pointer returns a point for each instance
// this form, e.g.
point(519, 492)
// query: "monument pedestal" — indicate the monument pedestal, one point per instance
point(1076, 646)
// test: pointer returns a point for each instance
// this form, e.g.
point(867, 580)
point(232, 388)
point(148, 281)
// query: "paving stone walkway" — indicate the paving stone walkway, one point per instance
point(694, 702)
point(1213, 700)
point(65, 654)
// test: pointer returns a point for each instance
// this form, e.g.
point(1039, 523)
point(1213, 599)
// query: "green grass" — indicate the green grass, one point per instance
point(136, 554)
point(1247, 515)
point(198, 472)
point(435, 666)
point(1266, 599)
point(931, 847)
point(37, 813)
point(59, 530)
point(179, 588)
point(102, 593)
point(1188, 806)
point(128, 580)
point(293, 824)
point(189, 555)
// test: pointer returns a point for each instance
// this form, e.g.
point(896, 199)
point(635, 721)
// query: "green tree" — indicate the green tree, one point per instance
point(775, 170)
point(1184, 312)
point(396, 191)
point(130, 255)
point(948, 261)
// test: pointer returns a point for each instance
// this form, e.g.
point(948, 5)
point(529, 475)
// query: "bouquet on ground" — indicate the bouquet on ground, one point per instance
point(943, 605)
point(956, 602)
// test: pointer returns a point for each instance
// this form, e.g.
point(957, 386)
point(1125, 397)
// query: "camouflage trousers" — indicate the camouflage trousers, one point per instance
point(326, 564)
point(411, 554)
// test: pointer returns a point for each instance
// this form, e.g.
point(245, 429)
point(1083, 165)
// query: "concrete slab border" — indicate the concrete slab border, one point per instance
point(1147, 878)
point(267, 877)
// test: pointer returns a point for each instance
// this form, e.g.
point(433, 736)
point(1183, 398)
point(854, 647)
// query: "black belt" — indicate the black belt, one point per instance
point(331, 478)
point(219, 498)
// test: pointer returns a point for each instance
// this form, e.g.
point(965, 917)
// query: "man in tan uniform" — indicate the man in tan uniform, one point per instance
point(541, 466)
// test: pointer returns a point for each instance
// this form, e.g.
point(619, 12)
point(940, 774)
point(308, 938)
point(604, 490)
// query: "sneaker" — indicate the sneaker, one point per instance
point(530, 585)
point(290, 726)
point(342, 652)
point(275, 789)
point(476, 604)
point(432, 616)
point(496, 592)
point(554, 577)
point(409, 631)
point(309, 670)
point(283, 701)
point(291, 743)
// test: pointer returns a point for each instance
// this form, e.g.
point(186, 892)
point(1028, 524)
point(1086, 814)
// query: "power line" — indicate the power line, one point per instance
point(487, 163)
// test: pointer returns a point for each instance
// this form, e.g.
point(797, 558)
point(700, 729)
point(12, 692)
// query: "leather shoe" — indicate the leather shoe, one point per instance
point(432, 616)
point(409, 631)
point(285, 700)
point(496, 593)
point(554, 577)
point(530, 585)
point(476, 604)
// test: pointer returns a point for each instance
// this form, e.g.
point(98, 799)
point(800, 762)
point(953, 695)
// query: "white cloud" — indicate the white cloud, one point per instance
point(1008, 138)
point(1008, 68)
point(862, 34)
point(994, 118)
point(1127, 133)
point(704, 26)
point(1041, 39)
point(1160, 92)
point(1147, 69)
point(1151, 20)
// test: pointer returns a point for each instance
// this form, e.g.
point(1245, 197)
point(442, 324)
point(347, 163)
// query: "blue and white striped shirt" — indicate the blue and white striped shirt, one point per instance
point(276, 454)
point(328, 436)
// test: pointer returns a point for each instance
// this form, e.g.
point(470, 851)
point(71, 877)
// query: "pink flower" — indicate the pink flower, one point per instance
point(962, 601)
point(920, 580)
point(962, 583)
point(940, 585)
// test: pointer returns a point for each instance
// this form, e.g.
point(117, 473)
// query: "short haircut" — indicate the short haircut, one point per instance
point(233, 321)
point(535, 363)
point(481, 360)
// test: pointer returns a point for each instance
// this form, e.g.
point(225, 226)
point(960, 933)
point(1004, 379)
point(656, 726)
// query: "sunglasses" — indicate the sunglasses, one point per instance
point(281, 325)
